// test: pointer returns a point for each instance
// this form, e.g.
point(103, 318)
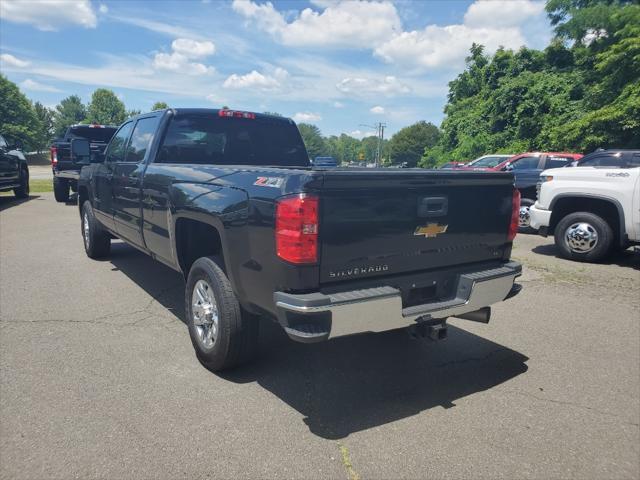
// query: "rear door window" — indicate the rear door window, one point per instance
point(206, 138)
point(602, 160)
point(555, 161)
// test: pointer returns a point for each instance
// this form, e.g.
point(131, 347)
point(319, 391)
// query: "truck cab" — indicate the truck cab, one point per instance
point(592, 209)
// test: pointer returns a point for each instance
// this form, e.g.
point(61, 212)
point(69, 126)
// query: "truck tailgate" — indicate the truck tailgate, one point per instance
point(376, 222)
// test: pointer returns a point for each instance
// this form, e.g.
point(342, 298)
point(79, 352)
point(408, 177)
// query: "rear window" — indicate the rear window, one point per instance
point(209, 139)
point(488, 162)
point(93, 134)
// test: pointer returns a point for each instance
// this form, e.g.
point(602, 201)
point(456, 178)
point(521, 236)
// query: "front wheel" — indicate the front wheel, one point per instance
point(583, 236)
point(222, 335)
point(23, 190)
point(61, 189)
point(524, 217)
point(97, 242)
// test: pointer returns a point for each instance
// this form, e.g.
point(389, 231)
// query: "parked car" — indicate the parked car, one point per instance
point(526, 168)
point(228, 198)
point(14, 171)
point(325, 162)
point(489, 161)
point(591, 209)
point(66, 168)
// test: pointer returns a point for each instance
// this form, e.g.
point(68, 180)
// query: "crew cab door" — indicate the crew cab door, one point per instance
point(103, 176)
point(526, 171)
point(127, 176)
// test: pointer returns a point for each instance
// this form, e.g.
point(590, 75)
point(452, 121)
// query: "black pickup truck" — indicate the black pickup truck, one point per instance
point(66, 168)
point(228, 198)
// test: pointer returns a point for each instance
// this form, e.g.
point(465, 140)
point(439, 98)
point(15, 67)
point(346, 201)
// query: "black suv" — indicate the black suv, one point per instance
point(14, 172)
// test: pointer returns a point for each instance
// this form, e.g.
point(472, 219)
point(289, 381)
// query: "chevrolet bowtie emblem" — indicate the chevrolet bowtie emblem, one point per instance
point(431, 230)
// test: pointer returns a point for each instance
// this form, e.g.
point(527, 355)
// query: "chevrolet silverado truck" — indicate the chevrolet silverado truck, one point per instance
point(66, 167)
point(229, 199)
point(592, 209)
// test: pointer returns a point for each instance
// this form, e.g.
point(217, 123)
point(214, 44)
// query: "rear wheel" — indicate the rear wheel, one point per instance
point(223, 335)
point(583, 236)
point(61, 189)
point(23, 190)
point(524, 218)
point(97, 242)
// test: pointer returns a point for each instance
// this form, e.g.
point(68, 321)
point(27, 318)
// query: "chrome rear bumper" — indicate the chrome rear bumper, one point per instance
point(316, 316)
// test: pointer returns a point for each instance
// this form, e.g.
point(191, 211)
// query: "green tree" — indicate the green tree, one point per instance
point(159, 106)
point(409, 143)
point(18, 120)
point(133, 113)
point(69, 111)
point(312, 140)
point(106, 108)
point(44, 133)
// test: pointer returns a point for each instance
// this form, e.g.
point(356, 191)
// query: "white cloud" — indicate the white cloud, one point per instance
point(338, 105)
point(306, 117)
point(12, 61)
point(388, 86)
point(501, 13)
point(359, 134)
point(51, 15)
point(29, 84)
point(490, 23)
point(103, 8)
point(193, 48)
point(378, 110)
point(255, 79)
point(183, 51)
point(341, 24)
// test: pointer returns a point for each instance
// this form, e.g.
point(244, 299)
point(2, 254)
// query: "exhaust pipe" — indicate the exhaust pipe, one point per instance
point(481, 315)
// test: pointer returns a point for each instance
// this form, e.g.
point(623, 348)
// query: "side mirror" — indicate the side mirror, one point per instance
point(81, 150)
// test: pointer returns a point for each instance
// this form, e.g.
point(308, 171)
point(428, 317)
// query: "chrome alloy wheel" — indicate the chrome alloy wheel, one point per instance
point(85, 230)
point(204, 313)
point(524, 217)
point(581, 237)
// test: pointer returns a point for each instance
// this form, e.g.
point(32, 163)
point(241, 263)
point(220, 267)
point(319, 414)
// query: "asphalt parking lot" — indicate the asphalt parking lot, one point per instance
point(98, 378)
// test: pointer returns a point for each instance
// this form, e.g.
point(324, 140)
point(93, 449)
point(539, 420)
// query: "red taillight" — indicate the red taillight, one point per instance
point(515, 215)
point(54, 155)
point(236, 114)
point(297, 228)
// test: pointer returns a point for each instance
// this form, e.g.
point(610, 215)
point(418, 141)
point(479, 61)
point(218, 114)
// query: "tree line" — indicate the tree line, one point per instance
point(37, 125)
point(580, 93)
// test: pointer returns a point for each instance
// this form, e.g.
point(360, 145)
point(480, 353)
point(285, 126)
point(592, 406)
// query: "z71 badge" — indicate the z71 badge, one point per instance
point(431, 230)
point(275, 182)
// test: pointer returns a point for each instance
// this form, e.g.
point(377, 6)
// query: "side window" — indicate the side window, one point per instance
point(3, 144)
point(558, 162)
point(634, 160)
point(141, 139)
point(604, 160)
point(526, 163)
point(117, 146)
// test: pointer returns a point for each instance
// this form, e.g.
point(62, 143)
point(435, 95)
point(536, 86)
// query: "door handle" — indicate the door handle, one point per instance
point(433, 206)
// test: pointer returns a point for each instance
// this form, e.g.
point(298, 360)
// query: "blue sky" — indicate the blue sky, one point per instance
point(336, 64)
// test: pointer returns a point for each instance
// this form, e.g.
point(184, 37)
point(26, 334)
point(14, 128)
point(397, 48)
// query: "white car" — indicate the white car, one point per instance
point(591, 209)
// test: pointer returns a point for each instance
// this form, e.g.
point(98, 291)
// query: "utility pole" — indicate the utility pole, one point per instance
point(379, 128)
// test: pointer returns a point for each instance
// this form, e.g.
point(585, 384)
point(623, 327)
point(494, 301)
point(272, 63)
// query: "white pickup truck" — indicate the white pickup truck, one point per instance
point(592, 209)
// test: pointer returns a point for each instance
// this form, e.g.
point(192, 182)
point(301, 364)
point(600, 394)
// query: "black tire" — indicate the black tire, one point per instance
point(61, 189)
point(593, 251)
point(525, 202)
point(97, 242)
point(23, 190)
point(236, 337)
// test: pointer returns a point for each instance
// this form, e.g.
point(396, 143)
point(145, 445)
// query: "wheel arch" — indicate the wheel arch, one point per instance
point(608, 208)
